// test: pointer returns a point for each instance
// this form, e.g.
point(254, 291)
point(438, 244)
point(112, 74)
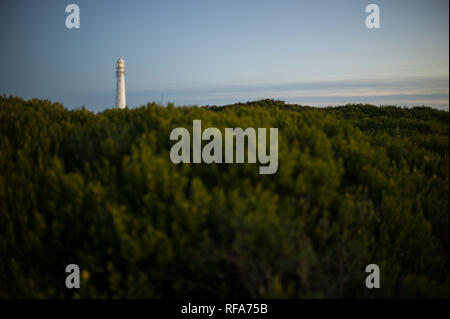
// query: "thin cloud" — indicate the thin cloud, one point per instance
point(407, 91)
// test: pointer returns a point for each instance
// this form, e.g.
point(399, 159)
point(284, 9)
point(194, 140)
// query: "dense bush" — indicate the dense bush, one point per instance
point(356, 184)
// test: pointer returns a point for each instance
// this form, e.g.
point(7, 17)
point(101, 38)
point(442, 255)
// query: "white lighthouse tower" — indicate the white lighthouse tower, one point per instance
point(120, 90)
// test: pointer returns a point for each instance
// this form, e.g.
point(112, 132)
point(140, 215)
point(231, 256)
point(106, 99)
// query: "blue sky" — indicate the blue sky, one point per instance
point(219, 52)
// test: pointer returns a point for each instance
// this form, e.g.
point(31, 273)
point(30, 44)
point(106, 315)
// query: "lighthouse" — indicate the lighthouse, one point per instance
point(120, 90)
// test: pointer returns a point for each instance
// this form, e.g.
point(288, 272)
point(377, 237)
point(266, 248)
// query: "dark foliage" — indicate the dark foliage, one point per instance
point(356, 184)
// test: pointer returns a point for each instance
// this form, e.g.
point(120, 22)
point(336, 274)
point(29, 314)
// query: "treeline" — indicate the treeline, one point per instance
point(356, 185)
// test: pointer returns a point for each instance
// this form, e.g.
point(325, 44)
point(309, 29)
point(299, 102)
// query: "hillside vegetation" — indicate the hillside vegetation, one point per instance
point(356, 185)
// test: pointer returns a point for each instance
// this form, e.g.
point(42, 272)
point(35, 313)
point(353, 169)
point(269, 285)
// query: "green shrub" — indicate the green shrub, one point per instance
point(356, 184)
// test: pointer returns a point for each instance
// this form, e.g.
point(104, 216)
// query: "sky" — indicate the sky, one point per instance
point(211, 52)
